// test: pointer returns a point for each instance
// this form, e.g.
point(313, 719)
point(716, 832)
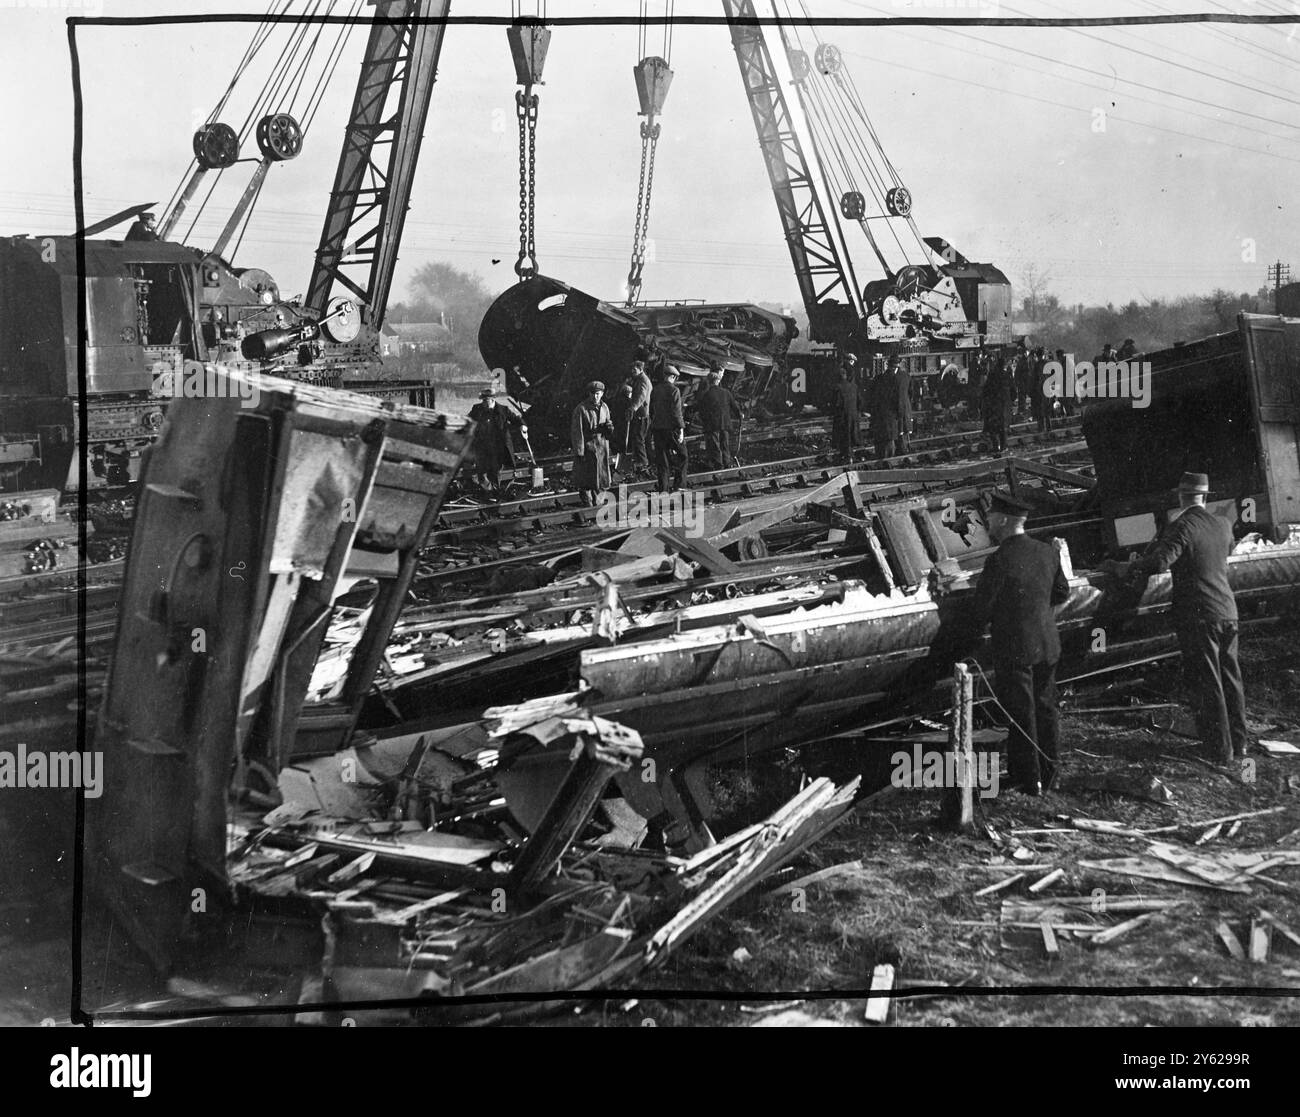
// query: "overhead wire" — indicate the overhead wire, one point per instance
point(834, 229)
point(867, 150)
point(261, 31)
point(983, 56)
point(998, 45)
point(331, 64)
point(1164, 60)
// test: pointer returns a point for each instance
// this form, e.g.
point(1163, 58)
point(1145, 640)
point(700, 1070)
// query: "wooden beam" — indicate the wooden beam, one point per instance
point(786, 511)
point(1230, 941)
point(698, 550)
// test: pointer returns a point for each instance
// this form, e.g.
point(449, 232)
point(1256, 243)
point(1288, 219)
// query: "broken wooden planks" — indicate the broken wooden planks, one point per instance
point(785, 511)
point(1111, 934)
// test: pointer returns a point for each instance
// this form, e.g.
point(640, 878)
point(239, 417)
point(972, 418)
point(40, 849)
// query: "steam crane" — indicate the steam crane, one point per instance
point(372, 186)
point(935, 307)
point(158, 303)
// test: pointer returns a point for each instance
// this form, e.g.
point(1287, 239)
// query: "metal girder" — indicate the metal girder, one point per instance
point(818, 264)
point(372, 188)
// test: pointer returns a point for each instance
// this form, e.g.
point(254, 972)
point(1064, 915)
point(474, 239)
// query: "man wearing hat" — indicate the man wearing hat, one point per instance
point(845, 431)
point(1019, 587)
point(997, 404)
point(668, 432)
point(639, 410)
point(1195, 547)
point(719, 416)
point(493, 448)
point(590, 431)
point(882, 396)
point(143, 228)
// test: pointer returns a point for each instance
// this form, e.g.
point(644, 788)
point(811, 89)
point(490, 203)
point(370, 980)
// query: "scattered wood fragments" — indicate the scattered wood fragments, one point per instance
point(1261, 937)
point(1209, 835)
point(1047, 881)
point(1050, 947)
point(1230, 941)
point(1105, 938)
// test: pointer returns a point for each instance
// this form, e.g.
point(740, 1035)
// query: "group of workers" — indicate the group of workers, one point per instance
point(999, 385)
point(1022, 583)
point(648, 422)
point(887, 395)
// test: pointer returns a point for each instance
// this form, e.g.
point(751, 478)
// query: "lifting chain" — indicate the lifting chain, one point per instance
point(649, 141)
point(526, 111)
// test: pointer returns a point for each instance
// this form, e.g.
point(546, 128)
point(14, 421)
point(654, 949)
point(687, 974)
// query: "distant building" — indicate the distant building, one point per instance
point(400, 338)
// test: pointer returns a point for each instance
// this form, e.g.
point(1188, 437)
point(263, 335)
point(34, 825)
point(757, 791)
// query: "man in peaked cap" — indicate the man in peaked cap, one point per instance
point(1019, 587)
point(1195, 547)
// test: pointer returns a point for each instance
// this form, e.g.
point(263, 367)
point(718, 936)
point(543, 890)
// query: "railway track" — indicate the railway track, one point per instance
point(42, 608)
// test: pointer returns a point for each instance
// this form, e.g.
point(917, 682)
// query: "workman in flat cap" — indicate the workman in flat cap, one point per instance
point(590, 431)
point(720, 418)
point(493, 448)
point(668, 432)
point(1195, 547)
point(1021, 584)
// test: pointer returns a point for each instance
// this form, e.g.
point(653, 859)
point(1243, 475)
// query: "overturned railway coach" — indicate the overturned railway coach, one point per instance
point(150, 307)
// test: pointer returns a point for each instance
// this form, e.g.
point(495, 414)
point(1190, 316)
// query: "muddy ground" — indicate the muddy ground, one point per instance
point(908, 901)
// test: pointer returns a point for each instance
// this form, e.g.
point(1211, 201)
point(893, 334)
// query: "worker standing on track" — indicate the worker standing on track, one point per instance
point(639, 424)
point(1041, 402)
point(883, 424)
point(493, 447)
point(719, 416)
point(1018, 588)
point(845, 419)
point(1195, 547)
point(590, 431)
point(668, 432)
point(1067, 400)
point(903, 385)
point(620, 411)
point(997, 405)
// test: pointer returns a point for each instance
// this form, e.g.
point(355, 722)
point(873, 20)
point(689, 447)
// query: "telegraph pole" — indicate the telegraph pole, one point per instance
point(1278, 273)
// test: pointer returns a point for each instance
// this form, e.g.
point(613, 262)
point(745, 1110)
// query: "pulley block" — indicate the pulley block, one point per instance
point(800, 67)
point(898, 200)
point(853, 205)
point(528, 43)
point(216, 146)
point(652, 77)
point(279, 136)
point(828, 58)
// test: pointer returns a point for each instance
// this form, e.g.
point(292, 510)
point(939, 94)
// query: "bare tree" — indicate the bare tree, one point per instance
point(1034, 282)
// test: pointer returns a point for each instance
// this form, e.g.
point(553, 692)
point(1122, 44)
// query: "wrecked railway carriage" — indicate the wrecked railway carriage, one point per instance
point(326, 766)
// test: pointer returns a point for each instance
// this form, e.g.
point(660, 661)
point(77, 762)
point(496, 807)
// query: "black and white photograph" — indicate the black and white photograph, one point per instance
point(652, 513)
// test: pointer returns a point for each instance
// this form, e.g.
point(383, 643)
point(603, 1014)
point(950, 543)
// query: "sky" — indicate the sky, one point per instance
point(1186, 185)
